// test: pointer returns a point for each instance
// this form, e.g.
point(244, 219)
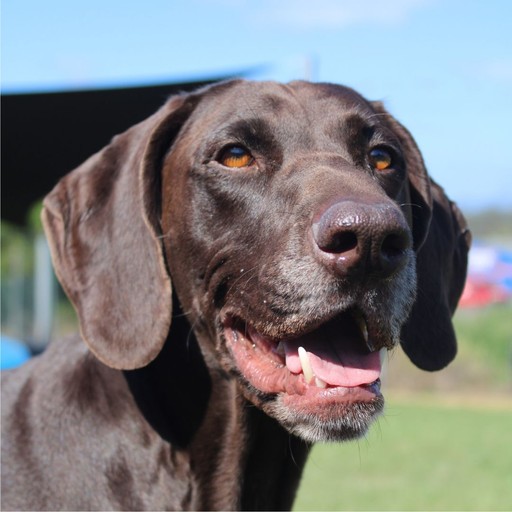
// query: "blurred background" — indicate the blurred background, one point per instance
point(76, 73)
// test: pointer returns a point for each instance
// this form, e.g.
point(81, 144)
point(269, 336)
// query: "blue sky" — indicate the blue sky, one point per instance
point(443, 67)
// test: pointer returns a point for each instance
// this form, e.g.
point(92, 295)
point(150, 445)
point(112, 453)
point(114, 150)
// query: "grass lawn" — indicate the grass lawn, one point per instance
point(487, 333)
point(421, 455)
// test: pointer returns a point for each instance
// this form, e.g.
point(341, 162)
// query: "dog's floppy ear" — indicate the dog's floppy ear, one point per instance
point(102, 222)
point(428, 337)
point(441, 242)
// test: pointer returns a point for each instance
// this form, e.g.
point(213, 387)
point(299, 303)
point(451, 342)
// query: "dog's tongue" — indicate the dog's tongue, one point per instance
point(338, 358)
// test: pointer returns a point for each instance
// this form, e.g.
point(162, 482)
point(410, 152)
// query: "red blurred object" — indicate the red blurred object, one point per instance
point(478, 293)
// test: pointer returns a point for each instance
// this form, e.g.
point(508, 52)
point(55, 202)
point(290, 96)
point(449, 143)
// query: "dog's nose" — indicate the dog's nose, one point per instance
point(353, 237)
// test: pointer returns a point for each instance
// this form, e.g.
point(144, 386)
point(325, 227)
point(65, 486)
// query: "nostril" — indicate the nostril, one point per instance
point(394, 245)
point(393, 251)
point(340, 242)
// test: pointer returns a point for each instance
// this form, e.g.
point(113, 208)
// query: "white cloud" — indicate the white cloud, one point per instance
point(314, 14)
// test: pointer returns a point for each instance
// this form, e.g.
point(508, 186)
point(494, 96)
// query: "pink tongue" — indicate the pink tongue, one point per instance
point(338, 363)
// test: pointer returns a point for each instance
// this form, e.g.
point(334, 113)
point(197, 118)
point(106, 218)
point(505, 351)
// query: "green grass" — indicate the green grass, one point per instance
point(487, 332)
point(418, 457)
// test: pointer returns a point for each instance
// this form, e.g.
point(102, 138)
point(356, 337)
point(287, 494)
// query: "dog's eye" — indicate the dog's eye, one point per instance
point(380, 159)
point(235, 156)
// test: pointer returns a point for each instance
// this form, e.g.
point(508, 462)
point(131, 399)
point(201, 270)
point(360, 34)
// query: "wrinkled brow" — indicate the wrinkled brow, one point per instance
point(255, 133)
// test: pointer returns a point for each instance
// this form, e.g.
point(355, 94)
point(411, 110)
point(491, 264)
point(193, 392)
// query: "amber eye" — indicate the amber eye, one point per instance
point(235, 156)
point(380, 159)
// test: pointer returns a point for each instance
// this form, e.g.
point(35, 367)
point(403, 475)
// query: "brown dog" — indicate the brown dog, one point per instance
point(303, 236)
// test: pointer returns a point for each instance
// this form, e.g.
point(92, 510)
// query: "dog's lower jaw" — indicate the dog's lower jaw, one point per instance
point(342, 414)
point(334, 422)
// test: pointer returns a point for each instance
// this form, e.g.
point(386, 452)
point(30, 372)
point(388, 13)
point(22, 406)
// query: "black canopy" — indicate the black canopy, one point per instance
point(46, 135)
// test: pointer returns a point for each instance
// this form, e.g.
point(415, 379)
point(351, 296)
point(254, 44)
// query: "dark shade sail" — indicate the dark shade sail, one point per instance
point(44, 136)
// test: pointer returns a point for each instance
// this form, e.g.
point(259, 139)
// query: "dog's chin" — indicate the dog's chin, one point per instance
point(339, 415)
point(320, 385)
point(336, 414)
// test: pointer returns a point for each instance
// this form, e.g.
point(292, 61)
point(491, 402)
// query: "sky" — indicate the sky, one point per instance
point(442, 67)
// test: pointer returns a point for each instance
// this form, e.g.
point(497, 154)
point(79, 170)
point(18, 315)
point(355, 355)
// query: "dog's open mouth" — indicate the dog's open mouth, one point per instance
point(333, 360)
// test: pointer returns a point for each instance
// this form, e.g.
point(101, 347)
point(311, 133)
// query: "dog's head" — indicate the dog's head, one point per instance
point(302, 233)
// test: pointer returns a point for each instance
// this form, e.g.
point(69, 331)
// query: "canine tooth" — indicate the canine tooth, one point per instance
point(306, 365)
point(320, 383)
point(362, 327)
point(280, 349)
point(382, 354)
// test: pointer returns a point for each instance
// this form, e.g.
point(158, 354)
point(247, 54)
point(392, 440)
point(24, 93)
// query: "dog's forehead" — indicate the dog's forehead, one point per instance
point(277, 101)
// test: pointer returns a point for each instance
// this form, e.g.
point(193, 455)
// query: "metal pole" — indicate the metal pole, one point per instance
point(44, 294)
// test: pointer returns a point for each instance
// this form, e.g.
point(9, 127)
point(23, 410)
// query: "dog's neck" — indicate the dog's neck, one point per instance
point(273, 465)
point(240, 448)
point(239, 458)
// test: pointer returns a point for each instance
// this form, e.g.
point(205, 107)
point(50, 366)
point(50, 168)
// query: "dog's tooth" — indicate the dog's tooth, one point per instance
point(362, 327)
point(306, 365)
point(382, 354)
point(320, 383)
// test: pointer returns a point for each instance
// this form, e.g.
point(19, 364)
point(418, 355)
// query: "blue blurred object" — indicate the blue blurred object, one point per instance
point(13, 353)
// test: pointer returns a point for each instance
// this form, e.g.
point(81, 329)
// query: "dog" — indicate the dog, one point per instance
point(303, 237)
